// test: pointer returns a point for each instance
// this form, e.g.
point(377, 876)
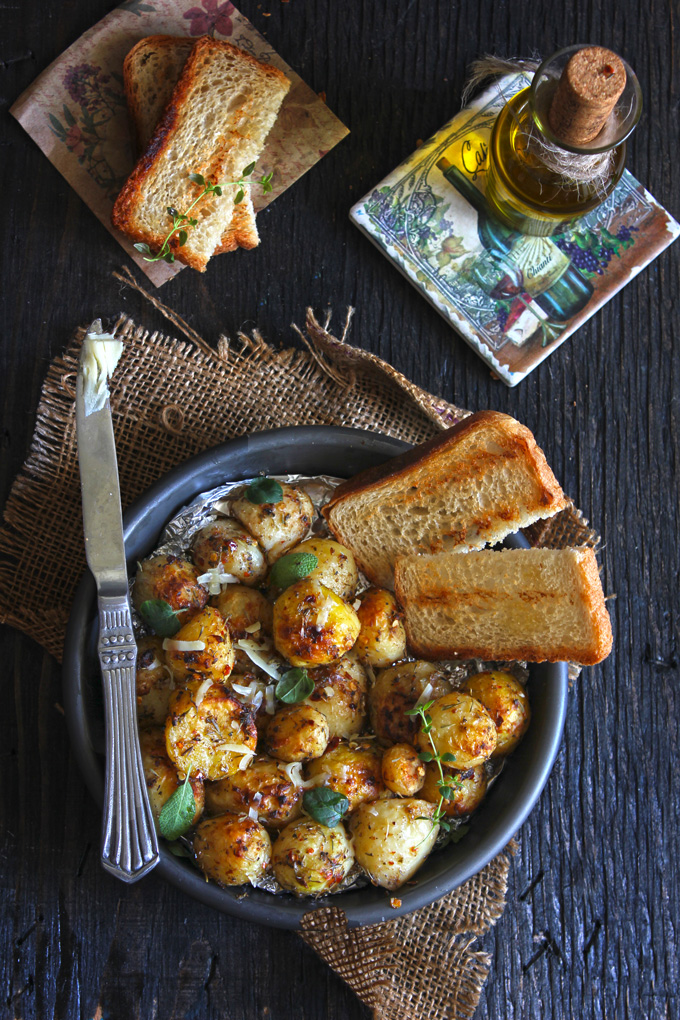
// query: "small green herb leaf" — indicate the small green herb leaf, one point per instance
point(172, 211)
point(248, 170)
point(446, 792)
point(169, 257)
point(426, 756)
point(447, 756)
point(144, 248)
point(291, 568)
point(264, 490)
point(325, 805)
point(158, 615)
point(197, 179)
point(177, 814)
point(239, 197)
point(295, 685)
point(217, 190)
point(182, 238)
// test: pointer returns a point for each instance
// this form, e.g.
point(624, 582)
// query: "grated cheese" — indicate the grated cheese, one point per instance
point(425, 696)
point(202, 691)
point(254, 627)
point(215, 577)
point(252, 812)
point(170, 645)
point(246, 760)
point(329, 692)
point(255, 655)
point(293, 770)
point(356, 604)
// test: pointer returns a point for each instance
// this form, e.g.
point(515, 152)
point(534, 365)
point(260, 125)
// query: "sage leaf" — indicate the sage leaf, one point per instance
point(264, 490)
point(177, 814)
point(158, 615)
point(295, 685)
point(291, 568)
point(325, 805)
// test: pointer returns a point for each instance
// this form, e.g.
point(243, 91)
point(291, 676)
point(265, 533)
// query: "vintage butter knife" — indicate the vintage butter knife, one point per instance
point(129, 842)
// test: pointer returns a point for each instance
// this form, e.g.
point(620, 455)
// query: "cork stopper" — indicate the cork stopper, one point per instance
point(587, 92)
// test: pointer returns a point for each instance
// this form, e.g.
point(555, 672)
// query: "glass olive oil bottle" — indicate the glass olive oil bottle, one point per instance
point(571, 123)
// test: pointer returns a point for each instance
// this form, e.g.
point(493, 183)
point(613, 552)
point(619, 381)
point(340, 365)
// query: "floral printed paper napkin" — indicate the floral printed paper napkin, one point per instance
point(76, 111)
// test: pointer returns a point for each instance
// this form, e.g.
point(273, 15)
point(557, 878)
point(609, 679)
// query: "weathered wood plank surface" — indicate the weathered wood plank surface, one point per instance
point(591, 927)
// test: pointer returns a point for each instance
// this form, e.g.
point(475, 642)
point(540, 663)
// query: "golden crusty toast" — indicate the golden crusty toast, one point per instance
point(151, 71)
point(215, 124)
point(505, 604)
point(472, 485)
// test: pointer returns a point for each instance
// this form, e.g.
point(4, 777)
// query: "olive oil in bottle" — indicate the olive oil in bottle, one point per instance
point(558, 148)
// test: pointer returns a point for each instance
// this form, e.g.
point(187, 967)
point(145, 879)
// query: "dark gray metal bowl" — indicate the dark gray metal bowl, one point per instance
point(341, 452)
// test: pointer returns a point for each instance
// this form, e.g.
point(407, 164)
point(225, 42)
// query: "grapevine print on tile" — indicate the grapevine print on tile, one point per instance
point(99, 97)
point(210, 18)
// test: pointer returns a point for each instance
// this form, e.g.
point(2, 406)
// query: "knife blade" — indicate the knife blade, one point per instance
point(129, 841)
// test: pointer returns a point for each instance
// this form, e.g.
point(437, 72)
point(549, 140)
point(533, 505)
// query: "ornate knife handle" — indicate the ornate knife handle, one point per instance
point(129, 841)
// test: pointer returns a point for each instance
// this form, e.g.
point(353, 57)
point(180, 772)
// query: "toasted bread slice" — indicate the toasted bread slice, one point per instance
point(220, 113)
point(151, 71)
point(472, 485)
point(530, 604)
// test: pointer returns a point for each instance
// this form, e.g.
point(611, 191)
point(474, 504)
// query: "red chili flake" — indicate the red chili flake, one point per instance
point(395, 902)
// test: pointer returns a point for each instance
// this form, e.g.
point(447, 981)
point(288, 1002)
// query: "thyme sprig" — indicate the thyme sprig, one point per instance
point(182, 220)
point(446, 784)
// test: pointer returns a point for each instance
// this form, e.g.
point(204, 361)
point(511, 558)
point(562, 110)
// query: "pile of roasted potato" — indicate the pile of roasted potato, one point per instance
point(282, 705)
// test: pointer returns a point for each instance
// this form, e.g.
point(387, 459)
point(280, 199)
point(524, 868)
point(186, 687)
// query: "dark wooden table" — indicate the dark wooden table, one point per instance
point(591, 925)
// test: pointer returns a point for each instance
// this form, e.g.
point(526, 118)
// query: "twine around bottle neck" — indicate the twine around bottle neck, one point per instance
point(592, 172)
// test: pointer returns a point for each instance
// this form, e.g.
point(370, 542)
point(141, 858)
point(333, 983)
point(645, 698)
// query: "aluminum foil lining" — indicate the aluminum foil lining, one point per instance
point(175, 540)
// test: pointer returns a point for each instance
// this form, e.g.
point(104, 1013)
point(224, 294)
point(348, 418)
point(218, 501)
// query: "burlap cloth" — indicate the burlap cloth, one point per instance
point(171, 399)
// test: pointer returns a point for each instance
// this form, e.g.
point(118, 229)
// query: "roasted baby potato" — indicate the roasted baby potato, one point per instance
point(468, 789)
point(296, 732)
point(215, 659)
point(264, 786)
point(277, 526)
point(161, 775)
point(335, 568)
point(397, 689)
point(506, 701)
point(209, 733)
point(402, 770)
point(382, 638)
point(153, 682)
point(312, 625)
point(232, 850)
point(461, 727)
point(225, 543)
point(172, 579)
point(392, 838)
point(340, 695)
point(310, 859)
point(244, 607)
point(354, 772)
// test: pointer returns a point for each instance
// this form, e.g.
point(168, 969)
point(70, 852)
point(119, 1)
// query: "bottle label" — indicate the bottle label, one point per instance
point(541, 262)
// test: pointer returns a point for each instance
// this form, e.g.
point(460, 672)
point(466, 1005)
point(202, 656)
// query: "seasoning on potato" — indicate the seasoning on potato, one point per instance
point(201, 648)
point(227, 546)
point(506, 701)
point(310, 859)
point(209, 732)
point(312, 625)
point(277, 526)
point(232, 849)
point(382, 638)
point(297, 732)
point(392, 838)
point(461, 727)
point(173, 580)
point(396, 690)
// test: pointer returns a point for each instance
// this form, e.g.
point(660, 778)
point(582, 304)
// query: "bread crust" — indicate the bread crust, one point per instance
point(242, 231)
point(586, 591)
point(428, 464)
point(550, 496)
point(123, 214)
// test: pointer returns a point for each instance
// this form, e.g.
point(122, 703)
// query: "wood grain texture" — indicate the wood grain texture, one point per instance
point(591, 927)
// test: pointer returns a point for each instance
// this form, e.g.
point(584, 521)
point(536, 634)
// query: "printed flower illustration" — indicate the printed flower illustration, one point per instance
point(75, 140)
point(212, 18)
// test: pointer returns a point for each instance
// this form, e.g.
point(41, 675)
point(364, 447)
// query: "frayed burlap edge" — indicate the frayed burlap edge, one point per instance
point(442, 934)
